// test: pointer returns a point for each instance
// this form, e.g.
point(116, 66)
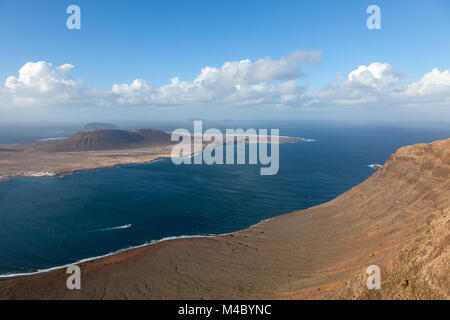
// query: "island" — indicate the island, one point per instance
point(398, 219)
point(94, 149)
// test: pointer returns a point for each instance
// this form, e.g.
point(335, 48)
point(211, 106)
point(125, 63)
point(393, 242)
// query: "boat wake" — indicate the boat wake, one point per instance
point(13, 275)
point(126, 226)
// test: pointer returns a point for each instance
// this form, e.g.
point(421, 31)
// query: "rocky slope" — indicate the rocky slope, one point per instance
point(421, 269)
point(108, 140)
point(398, 219)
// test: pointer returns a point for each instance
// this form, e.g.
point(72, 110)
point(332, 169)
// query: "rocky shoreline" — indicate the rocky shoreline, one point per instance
point(34, 159)
point(397, 219)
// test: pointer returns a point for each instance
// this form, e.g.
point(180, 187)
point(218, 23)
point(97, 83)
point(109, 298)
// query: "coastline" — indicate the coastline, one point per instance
point(140, 162)
point(147, 244)
point(68, 172)
point(35, 163)
point(318, 253)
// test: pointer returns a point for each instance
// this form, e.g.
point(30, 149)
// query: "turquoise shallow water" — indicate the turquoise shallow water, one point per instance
point(48, 222)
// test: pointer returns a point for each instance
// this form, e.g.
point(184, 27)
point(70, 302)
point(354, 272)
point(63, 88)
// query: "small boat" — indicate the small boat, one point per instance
point(375, 166)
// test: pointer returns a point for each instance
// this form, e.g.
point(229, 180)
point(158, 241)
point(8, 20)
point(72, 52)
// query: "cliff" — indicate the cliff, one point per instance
point(397, 219)
point(420, 269)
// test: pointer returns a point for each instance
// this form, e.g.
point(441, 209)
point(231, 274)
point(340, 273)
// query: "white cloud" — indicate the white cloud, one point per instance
point(380, 84)
point(234, 83)
point(264, 82)
point(434, 83)
point(40, 83)
point(377, 74)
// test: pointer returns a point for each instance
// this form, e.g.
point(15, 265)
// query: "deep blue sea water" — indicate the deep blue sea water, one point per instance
point(48, 222)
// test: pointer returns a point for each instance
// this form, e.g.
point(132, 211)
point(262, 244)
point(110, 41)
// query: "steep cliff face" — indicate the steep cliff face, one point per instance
point(419, 175)
point(398, 219)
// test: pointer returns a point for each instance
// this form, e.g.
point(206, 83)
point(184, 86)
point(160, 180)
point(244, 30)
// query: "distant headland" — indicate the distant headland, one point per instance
point(91, 148)
point(398, 219)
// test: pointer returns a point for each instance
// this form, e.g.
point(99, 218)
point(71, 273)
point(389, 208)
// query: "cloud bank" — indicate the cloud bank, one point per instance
point(40, 83)
point(265, 82)
point(380, 84)
point(234, 83)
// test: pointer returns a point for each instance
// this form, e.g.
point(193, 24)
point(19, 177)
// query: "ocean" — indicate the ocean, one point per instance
point(55, 221)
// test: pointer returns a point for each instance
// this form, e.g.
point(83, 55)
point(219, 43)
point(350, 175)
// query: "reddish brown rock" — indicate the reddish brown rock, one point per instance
point(397, 219)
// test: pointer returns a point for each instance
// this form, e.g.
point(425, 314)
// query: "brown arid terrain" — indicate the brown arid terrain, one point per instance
point(84, 151)
point(398, 219)
point(95, 149)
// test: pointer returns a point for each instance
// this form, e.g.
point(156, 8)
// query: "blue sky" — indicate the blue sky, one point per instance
point(121, 41)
